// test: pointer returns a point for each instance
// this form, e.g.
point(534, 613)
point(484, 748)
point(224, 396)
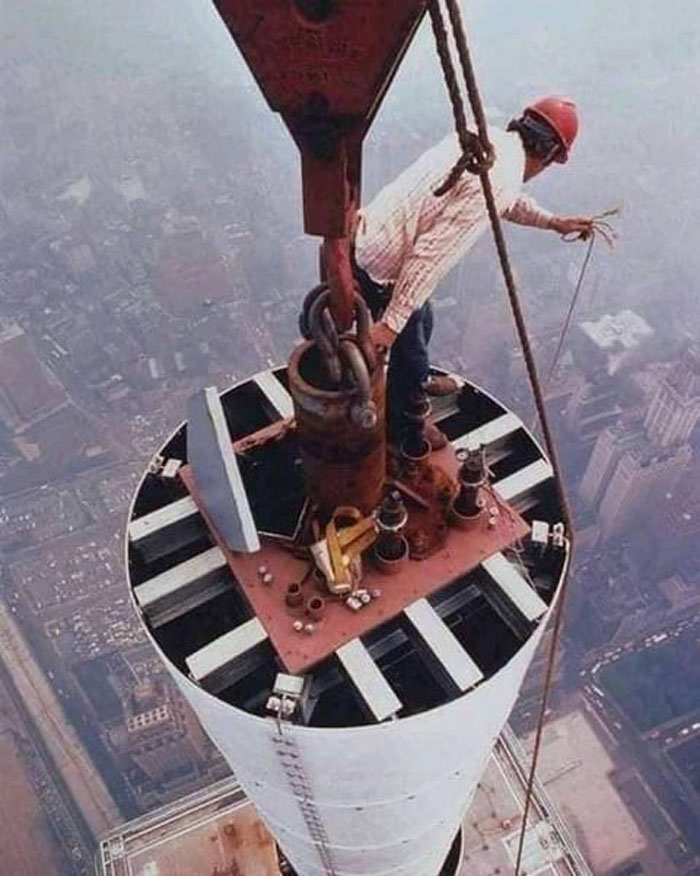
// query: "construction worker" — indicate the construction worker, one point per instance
point(408, 239)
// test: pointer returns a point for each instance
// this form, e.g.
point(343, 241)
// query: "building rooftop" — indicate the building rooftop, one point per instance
point(624, 330)
point(24, 382)
point(215, 832)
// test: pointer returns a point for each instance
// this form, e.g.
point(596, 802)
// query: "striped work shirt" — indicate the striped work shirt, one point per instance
point(408, 237)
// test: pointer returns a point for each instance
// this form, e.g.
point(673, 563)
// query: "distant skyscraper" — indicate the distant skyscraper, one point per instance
point(675, 409)
point(630, 464)
point(612, 343)
point(641, 474)
point(591, 407)
point(606, 454)
point(160, 734)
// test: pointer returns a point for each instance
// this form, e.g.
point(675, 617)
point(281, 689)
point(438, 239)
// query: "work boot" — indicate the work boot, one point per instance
point(434, 436)
point(440, 385)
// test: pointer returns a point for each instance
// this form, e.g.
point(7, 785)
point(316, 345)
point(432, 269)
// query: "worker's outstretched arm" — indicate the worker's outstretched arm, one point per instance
point(526, 211)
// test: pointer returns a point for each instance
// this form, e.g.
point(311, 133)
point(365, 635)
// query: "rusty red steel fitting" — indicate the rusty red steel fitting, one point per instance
point(294, 596)
point(391, 549)
point(343, 462)
point(391, 553)
point(469, 503)
point(315, 607)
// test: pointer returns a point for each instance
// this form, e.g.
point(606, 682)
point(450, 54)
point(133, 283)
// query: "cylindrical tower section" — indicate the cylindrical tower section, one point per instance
point(361, 734)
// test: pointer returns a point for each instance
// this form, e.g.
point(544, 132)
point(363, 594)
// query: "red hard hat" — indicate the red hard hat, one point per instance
point(561, 115)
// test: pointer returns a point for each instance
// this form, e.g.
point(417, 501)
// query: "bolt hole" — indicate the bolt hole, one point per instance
point(315, 11)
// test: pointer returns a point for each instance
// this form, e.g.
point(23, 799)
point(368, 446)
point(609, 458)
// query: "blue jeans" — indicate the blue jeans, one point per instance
point(409, 363)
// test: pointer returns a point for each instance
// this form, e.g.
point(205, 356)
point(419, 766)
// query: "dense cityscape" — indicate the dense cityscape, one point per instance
point(150, 244)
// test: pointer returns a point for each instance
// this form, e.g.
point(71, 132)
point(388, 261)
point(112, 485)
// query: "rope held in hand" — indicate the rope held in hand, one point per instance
point(600, 227)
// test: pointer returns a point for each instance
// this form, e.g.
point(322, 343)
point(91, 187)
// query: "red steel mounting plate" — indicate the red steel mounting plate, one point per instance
point(299, 651)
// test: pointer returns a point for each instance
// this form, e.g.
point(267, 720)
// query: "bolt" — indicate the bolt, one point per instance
point(262, 570)
point(315, 11)
point(309, 629)
point(376, 593)
point(418, 541)
point(294, 596)
point(365, 415)
point(315, 607)
point(298, 626)
point(268, 578)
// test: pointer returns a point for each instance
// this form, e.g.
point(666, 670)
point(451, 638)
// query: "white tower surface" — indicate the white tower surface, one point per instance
point(394, 724)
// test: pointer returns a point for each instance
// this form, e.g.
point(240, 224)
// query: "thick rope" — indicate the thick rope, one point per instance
point(465, 62)
point(495, 220)
point(511, 287)
point(474, 157)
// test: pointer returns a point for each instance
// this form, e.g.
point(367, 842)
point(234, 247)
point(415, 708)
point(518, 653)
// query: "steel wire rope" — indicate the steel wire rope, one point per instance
point(511, 288)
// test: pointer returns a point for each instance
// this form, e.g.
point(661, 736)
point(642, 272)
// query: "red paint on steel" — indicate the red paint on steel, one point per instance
point(299, 651)
point(344, 463)
point(341, 282)
point(324, 66)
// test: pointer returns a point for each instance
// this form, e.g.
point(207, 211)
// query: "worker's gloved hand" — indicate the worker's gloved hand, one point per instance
point(382, 336)
point(581, 225)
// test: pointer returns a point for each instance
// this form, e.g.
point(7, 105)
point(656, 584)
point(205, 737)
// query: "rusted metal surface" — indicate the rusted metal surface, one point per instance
point(298, 648)
point(344, 463)
point(336, 252)
point(325, 67)
point(214, 839)
point(274, 432)
point(429, 491)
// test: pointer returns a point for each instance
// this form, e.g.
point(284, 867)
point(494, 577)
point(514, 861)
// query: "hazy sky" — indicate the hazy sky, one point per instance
point(633, 66)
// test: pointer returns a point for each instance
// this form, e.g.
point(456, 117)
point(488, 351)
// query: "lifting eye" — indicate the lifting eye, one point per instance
point(315, 11)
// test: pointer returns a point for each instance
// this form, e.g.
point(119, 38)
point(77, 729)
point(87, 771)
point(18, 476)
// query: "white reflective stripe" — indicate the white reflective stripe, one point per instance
point(364, 673)
point(524, 597)
point(178, 579)
point(489, 432)
point(222, 652)
point(440, 639)
point(525, 479)
point(275, 393)
point(161, 518)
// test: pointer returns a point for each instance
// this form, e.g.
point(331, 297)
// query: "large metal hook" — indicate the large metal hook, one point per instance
point(309, 300)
